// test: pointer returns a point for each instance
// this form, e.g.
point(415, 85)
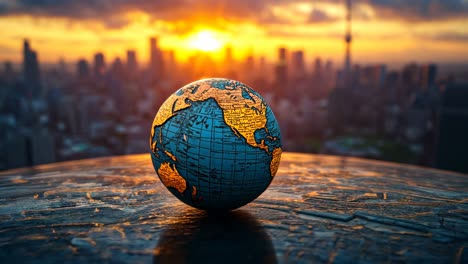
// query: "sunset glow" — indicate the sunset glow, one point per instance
point(381, 31)
point(205, 41)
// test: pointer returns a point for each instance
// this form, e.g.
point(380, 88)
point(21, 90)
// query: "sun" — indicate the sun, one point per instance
point(205, 40)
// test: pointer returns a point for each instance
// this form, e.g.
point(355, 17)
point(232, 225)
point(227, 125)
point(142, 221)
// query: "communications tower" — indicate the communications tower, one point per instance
point(348, 39)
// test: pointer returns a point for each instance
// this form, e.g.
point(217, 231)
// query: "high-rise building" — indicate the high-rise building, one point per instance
point(229, 66)
point(381, 74)
point(16, 147)
point(281, 73)
point(169, 63)
point(329, 68)
point(117, 68)
point(328, 75)
point(32, 148)
point(156, 61)
point(82, 69)
point(391, 86)
point(428, 75)
point(262, 65)
point(298, 65)
point(261, 78)
point(410, 79)
point(31, 71)
point(132, 64)
point(372, 76)
point(99, 64)
point(62, 66)
point(450, 138)
point(42, 147)
point(228, 58)
point(249, 68)
point(8, 72)
point(281, 70)
point(318, 69)
point(8, 68)
point(282, 55)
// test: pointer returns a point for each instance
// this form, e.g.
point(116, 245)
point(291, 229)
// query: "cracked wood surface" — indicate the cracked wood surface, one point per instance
point(321, 209)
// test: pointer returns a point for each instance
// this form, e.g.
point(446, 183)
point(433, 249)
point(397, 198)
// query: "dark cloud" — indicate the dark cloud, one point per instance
point(102, 10)
point(319, 16)
point(82, 9)
point(109, 12)
point(420, 10)
point(308, 35)
point(447, 36)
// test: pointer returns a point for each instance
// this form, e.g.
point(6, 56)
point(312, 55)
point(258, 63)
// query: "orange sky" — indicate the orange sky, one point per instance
point(380, 33)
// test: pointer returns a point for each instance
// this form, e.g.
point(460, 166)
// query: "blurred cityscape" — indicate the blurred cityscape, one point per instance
point(416, 114)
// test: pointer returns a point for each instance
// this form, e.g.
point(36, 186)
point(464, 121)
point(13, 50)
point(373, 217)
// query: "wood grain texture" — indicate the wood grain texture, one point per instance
point(322, 209)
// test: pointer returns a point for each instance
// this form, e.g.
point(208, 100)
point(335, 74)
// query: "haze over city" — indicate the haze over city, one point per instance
point(372, 78)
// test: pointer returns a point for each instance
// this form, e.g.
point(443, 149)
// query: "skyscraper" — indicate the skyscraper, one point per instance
point(99, 64)
point(281, 71)
point(228, 59)
point(451, 139)
point(169, 64)
point(249, 68)
point(318, 70)
point(229, 63)
point(31, 71)
point(156, 60)
point(8, 72)
point(428, 76)
point(132, 64)
point(410, 79)
point(82, 69)
point(282, 55)
point(298, 65)
point(328, 72)
point(117, 68)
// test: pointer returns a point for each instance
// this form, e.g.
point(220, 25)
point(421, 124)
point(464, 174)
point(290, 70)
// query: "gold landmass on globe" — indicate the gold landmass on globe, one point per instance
point(154, 146)
point(165, 112)
point(194, 192)
point(244, 121)
point(170, 155)
point(275, 161)
point(171, 177)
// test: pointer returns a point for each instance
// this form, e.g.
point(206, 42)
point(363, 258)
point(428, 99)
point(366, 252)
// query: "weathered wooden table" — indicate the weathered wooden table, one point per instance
point(318, 209)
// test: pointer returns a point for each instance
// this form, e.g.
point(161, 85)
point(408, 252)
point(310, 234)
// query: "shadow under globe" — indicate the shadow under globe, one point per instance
point(230, 237)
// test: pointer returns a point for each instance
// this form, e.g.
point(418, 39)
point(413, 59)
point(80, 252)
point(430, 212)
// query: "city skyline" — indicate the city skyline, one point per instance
point(383, 31)
point(333, 100)
point(323, 98)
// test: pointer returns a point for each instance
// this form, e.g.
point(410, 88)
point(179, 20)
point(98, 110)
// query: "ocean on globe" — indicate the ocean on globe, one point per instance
point(215, 144)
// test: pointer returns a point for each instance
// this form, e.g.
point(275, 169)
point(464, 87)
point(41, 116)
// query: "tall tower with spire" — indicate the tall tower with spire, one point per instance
point(348, 39)
point(31, 71)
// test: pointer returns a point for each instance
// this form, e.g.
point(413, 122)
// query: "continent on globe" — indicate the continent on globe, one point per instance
point(215, 144)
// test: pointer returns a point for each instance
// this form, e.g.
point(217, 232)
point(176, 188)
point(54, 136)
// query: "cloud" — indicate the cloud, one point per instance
point(104, 9)
point(420, 10)
point(107, 11)
point(319, 16)
point(111, 12)
point(446, 36)
point(310, 35)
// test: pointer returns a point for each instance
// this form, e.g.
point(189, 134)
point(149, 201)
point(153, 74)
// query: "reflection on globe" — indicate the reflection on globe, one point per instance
point(215, 144)
point(233, 237)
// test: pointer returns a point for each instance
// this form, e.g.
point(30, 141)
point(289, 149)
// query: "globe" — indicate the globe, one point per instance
point(215, 144)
